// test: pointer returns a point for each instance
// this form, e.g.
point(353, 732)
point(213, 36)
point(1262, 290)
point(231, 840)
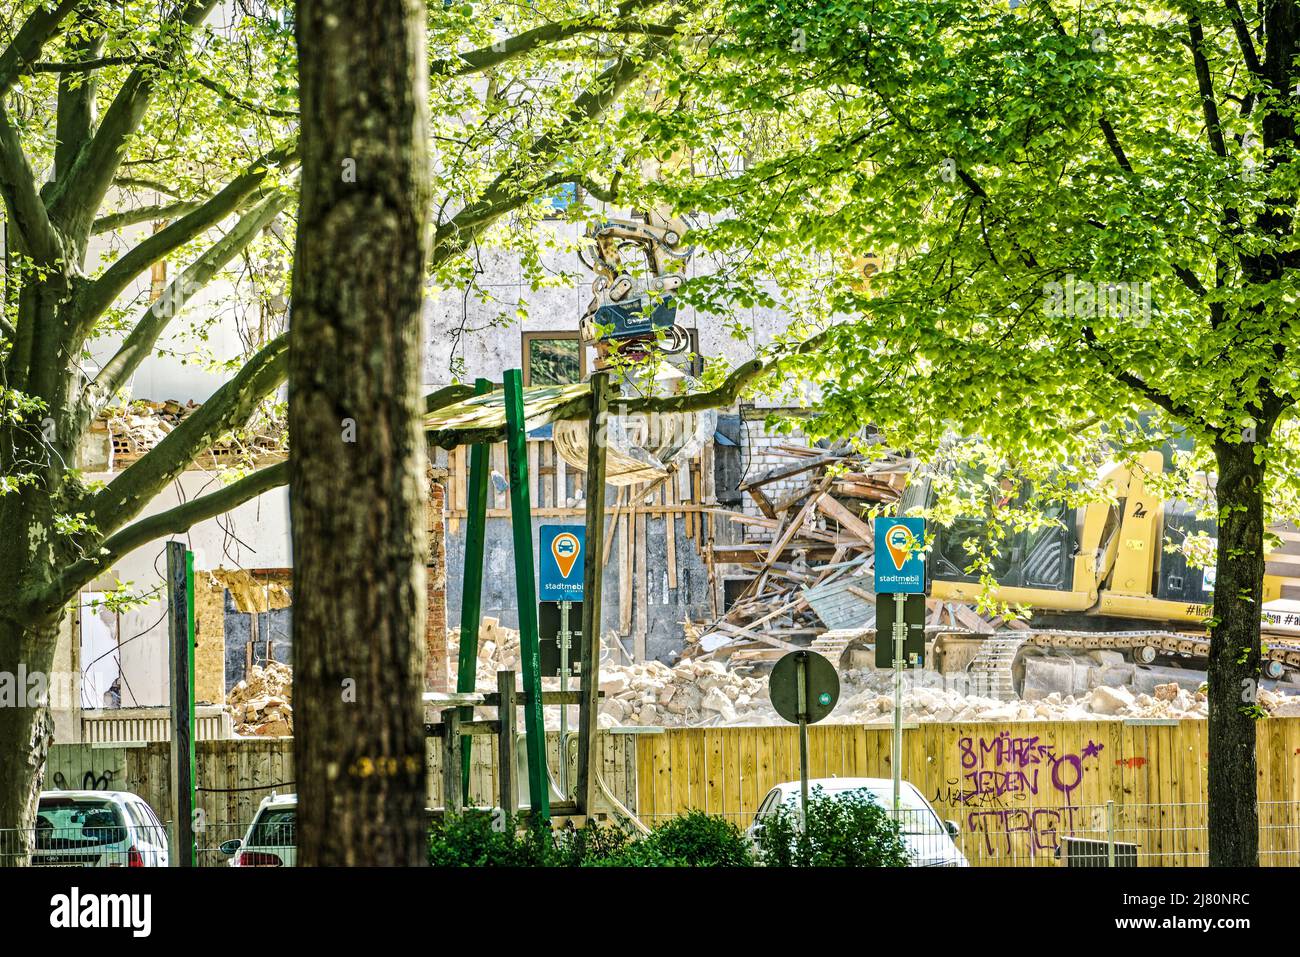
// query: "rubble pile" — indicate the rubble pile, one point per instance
point(702, 693)
point(138, 426)
point(143, 424)
point(261, 705)
point(806, 554)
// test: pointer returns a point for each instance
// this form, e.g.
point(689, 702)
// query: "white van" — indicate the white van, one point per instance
point(97, 829)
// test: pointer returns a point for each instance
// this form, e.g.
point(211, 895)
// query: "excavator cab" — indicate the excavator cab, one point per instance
point(1118, 576)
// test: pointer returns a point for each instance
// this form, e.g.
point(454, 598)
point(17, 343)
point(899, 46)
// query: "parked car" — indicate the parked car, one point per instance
point(929, 840)
point(269, 841)
point(97, 829)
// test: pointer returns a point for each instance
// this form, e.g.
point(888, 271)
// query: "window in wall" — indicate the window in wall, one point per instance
point(553, 358)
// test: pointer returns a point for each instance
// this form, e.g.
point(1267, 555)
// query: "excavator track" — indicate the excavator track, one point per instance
point(999, 652)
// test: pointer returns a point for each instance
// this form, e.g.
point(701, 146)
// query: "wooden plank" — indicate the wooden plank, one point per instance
point(790, 471)
point(534, 467)
point(625, 575)
point(619, 497)
point(593, 576)
point(562, 479)
point(830, 507)
point(715, 786)
point(642, 609)
point(670, 536)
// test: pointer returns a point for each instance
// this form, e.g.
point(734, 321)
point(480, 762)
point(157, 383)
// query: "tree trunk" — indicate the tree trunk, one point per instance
point(357, 461)
point(1235, 658)
point(26, 732)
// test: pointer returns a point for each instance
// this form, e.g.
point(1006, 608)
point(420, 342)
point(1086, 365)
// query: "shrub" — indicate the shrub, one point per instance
point(692, 840)
point(695, 839)
point(849, 829)
point(471, 840)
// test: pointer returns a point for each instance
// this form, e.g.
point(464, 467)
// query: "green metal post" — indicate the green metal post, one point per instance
point(190, 634)
point(521, 520)
point(471, 604)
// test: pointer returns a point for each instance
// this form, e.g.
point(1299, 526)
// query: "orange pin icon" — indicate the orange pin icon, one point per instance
point(565, 547)
point(896, 540)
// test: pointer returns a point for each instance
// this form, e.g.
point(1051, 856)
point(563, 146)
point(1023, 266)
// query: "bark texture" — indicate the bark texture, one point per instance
point(27, 730)
point(357, 462)
point(1234, 668)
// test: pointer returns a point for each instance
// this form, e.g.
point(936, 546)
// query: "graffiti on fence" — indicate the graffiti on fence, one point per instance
point(1005, 770)
point(1043, 828)
point(90, 781)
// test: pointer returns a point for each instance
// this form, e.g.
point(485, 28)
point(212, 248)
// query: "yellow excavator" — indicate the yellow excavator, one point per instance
point(1104, 576)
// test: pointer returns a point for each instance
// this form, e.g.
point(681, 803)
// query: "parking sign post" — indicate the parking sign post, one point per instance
point(899, 571)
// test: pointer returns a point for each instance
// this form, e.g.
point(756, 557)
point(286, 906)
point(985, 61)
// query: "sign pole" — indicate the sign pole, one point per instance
point(801, 671)
point(803, 689)
point(899, 571)
point(900, 637)
point(564, 686)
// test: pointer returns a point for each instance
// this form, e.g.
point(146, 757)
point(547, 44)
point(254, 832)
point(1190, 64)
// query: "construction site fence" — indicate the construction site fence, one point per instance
point(233, 776)
point(1018, 793)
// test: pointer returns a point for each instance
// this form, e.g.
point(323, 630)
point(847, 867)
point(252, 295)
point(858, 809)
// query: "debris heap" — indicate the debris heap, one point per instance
point(809, 557)
point(701, 692)
point(135, 428)
point(261, 704)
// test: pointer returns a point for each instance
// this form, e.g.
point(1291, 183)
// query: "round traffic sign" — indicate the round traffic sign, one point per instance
point(821, 686)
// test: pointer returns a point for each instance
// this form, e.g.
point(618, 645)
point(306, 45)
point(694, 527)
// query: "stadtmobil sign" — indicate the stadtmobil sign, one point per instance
point(563, 550)
point(900, 564)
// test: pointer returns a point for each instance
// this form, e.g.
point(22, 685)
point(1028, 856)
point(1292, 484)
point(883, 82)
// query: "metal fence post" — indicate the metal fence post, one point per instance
point(1110, 833)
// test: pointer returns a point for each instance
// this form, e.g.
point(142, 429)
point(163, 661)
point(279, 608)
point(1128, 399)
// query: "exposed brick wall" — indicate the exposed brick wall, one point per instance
point(437, 668)
point(761, 455)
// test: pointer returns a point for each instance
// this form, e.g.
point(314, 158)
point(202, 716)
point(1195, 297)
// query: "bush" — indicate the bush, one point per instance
point(472, 840)
point(692, 840)
point(697, 840)
point(850, 829)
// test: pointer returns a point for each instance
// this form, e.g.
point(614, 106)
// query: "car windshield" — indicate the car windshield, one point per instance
point(274, 828)
point(72, 822)
point(917, 816)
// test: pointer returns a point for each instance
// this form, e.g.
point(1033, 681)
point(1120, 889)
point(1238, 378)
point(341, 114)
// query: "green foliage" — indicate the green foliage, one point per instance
point(850, 829)
point(695, 839)
point(472, 840)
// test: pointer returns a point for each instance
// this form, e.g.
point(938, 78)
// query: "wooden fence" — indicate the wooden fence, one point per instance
point(1014, 790)
point(234, 776)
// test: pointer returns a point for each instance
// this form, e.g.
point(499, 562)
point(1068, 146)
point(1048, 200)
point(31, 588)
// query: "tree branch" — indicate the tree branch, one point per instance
point(485, 58)
point(1248, 52)
point(83, 66)
point(511, 188)
point(76, 197)
point(136, 182)
point(98, 295)
point(144, 334)
point(228, 408)
point(174, 521)
point(1205, 84)
point(18, 187)
point(225, 93)
point(39, 28)
point(1152, 394)
point(74, 113)
point(144, 214)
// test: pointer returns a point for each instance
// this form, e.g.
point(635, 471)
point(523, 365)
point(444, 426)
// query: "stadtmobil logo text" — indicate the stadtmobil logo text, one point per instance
point(74, 910)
